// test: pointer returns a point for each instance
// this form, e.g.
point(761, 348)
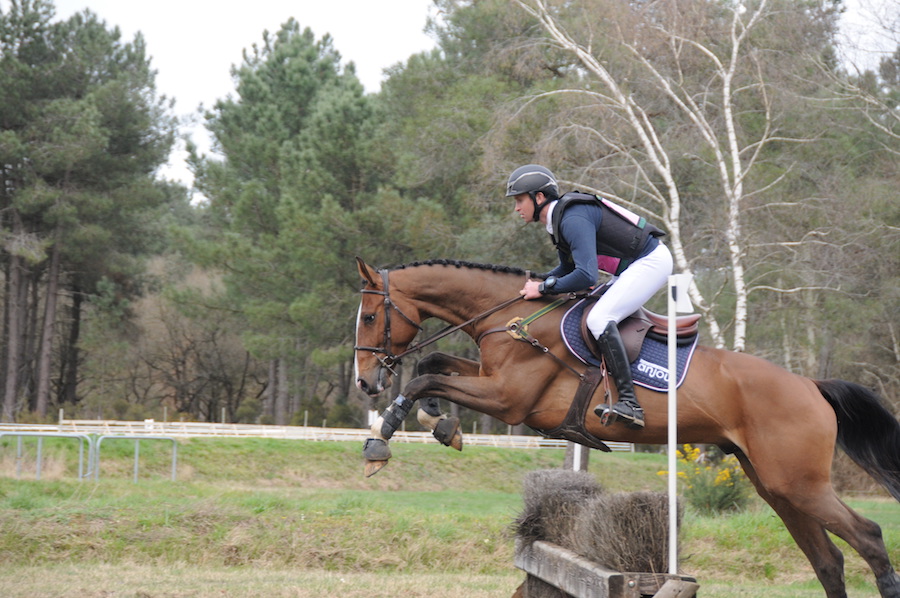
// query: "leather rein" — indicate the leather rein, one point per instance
point(385, 356)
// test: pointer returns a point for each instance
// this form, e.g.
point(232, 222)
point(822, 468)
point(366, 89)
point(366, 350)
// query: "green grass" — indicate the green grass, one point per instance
point(257, 517)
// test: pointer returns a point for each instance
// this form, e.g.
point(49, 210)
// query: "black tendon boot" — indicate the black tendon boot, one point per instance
point(627, 407)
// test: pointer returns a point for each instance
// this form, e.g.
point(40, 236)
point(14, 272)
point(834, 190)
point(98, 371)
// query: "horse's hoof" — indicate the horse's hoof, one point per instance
point(376, 449)
point(373, 467)
point(447, 433)
point(456, 442)
point(889, 585)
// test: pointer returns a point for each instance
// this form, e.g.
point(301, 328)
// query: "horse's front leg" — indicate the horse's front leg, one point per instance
point(445, 429)
point(375, 449)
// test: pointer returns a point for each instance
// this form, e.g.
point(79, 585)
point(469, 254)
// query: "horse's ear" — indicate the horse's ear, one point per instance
point(365, 271)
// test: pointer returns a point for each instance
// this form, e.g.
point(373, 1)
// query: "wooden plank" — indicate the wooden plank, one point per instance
point(583, 578)
point(570, 572)
point(650, 584)
point(678, 588)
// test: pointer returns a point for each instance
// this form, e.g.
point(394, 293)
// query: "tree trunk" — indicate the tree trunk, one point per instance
point(31, 299)
point(69, 363)
point(47, 329)
point(13, 322)
point(281, 403)
point(271, 390)
point(485, 424)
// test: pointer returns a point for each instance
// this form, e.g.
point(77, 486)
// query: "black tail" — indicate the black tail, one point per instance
point(867, 431)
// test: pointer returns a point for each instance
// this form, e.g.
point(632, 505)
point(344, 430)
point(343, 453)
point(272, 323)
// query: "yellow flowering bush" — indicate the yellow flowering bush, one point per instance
point(712, 482)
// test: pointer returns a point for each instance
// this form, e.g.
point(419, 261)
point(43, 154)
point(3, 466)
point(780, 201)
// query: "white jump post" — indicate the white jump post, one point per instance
point(679, 302)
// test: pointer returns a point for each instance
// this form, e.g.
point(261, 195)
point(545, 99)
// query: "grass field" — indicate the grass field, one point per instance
point(272, 518)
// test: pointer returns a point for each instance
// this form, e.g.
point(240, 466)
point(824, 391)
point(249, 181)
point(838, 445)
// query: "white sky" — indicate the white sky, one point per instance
point(193, 43)
point(870, 31)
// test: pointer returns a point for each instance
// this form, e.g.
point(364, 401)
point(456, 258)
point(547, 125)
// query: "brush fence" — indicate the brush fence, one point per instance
point(573, 539)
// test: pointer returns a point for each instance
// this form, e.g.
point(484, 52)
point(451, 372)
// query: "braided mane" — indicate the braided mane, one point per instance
point(463, 264)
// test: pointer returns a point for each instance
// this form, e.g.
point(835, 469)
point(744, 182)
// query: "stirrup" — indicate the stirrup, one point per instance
point(607, 416)
point(631, 414)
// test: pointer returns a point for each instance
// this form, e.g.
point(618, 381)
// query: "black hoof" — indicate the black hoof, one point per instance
point(376, 449)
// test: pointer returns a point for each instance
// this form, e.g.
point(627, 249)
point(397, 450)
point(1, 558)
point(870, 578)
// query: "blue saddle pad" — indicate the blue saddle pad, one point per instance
point(650, 369)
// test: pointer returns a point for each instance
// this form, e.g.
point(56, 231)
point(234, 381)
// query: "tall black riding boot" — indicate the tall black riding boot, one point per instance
point(627, 407)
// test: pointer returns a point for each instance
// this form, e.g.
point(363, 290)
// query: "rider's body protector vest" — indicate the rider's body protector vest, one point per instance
point(621, 237)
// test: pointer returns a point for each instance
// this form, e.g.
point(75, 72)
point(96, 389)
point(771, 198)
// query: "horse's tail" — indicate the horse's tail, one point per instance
point(867, 431)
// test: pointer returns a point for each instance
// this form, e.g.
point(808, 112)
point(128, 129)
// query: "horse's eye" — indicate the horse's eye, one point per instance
point(368, 318)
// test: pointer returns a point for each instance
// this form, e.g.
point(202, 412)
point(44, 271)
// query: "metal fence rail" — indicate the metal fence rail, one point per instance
point(200, 430)
point(83, 440)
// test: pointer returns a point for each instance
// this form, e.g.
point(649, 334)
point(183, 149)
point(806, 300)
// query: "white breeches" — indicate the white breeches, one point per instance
point(631, 289)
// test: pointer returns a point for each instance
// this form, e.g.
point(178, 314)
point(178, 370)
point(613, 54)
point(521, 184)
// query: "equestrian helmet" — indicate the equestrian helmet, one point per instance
point(531, 179)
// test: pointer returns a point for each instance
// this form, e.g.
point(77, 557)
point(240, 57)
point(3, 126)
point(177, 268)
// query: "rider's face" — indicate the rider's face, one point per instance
point(524, 206)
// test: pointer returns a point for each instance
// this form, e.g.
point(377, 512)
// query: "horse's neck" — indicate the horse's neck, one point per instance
point(461, 294)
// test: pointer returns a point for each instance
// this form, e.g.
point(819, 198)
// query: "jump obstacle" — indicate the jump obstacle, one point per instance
point(573, 540)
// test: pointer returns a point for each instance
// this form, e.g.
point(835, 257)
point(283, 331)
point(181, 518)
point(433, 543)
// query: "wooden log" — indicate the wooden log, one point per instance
point(583, 578)
point(678, 588)
point(569, 572)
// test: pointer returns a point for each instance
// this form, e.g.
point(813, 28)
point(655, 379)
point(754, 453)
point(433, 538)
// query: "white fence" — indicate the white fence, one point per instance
point(199, 430)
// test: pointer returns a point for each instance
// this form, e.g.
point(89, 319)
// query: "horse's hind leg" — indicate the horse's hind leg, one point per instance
point(810, 536)
point(864, 535)
point(809, 516)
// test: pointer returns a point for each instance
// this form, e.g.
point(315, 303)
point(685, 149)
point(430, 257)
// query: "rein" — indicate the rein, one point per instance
point(389, 359)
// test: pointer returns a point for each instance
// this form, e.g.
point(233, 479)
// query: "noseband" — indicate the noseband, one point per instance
point(383, 354)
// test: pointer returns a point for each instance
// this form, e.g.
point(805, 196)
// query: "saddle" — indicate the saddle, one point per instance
point(640, 324)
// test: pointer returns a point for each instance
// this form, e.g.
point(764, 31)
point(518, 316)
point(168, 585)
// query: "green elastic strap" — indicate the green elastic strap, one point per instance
point(523, 324)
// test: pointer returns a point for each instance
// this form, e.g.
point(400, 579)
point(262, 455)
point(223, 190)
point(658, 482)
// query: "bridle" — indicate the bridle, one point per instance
point(384, 355)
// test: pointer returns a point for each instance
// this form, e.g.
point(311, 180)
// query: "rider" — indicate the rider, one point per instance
point(592, 234)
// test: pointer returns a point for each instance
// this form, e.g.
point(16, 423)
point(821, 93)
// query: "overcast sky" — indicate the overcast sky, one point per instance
point(193, 43)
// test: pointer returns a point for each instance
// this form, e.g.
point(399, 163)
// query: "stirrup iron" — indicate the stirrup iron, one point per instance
point(609, 415)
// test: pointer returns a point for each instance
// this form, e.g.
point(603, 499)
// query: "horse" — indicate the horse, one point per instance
point(782, 427)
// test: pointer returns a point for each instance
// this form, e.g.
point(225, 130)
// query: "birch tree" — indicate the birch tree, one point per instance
point(679, 82)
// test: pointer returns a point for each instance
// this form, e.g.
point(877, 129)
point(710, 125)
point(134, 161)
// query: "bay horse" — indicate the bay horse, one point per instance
point(782, 427)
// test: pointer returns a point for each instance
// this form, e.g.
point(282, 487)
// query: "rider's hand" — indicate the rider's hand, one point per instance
point(530, 290)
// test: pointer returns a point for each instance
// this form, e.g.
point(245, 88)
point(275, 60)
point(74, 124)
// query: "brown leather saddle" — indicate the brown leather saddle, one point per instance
point(638, 325)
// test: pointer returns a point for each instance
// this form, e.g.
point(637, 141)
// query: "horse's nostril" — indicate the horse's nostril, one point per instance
point(361, 384)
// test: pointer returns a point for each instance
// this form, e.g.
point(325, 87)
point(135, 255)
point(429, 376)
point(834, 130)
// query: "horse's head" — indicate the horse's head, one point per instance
point(385, 327)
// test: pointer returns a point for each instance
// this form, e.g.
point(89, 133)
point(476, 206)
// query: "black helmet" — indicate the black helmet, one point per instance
point(532, 178)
